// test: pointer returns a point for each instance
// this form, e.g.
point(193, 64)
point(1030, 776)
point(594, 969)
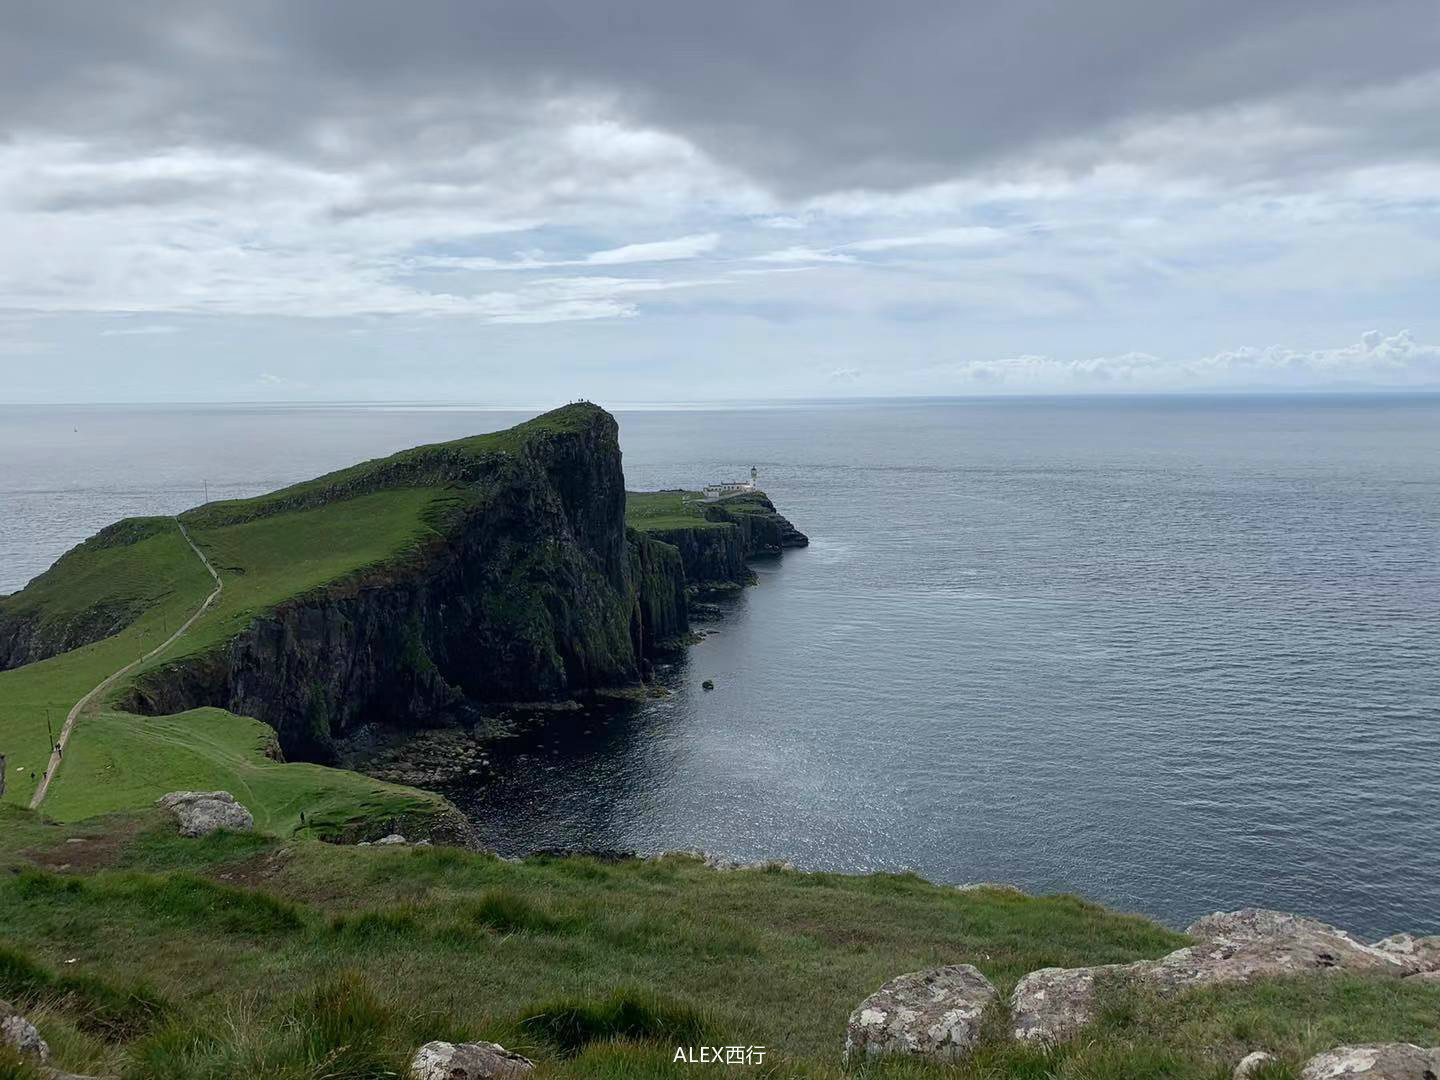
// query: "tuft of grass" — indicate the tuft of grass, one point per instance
point(571, 1024)
point(179, 898)
point(508, 912)
point(96, 1005)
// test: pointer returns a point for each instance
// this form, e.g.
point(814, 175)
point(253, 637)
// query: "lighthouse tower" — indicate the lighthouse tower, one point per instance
point(754, 477)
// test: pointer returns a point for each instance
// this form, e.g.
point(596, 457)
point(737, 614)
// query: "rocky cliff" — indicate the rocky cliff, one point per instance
point(528, 589)
point(716, 540)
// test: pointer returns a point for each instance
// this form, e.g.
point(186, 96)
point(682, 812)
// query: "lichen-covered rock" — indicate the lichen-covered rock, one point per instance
point(1235, 947)
point(1419, 954)
point(393, 838)
point(1379, 1061)
point(1250, 1064)
point(1052, 1004)
point(930, 1014)
point(468, 1061)
point(19, 1034)
point(203, 812)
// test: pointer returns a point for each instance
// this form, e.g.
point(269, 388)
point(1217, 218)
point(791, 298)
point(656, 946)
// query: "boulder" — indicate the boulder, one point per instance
point(1294, 941)
point(1420, 954)
point(468, 1061)
point(929, 1014)
point(1424, 977)
point(1052, 1004)
point(1235, 947)
point(1379, 1061)
point(203, 812)
point(1250, 1064)
point(20, 1034)
point(393, 838)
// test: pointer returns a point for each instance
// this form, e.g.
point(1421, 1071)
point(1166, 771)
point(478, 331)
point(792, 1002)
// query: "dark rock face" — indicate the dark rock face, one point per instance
point(712, 558)
point(657, 573)
point(740, 528)
point(763, 531)
point(532, 592)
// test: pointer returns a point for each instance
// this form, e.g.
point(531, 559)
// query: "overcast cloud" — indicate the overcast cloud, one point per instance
point(645, 199)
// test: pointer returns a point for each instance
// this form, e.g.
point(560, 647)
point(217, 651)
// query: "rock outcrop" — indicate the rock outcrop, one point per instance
point(200, 813)
point(1379, 1061)
point(468, 1061)
point(20, 1034)
point(715, 550)
point(1234, 947)
point(933, 1015)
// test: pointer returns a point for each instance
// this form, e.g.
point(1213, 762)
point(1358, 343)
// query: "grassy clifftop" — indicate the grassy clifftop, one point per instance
point(154, 958)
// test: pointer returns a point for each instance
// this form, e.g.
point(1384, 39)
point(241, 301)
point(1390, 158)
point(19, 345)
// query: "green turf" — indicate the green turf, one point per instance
point(658, 511)
point(161, 568)
point(267, 958)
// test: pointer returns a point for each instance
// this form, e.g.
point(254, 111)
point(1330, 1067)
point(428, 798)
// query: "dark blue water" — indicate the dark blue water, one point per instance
point(1172, 654)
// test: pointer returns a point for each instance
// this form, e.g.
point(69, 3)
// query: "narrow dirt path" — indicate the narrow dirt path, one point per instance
point(94, 695)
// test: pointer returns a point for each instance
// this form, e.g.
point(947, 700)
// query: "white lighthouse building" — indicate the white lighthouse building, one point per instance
point(735, 487)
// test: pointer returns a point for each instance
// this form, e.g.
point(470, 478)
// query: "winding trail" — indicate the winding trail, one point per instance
point(109, 680)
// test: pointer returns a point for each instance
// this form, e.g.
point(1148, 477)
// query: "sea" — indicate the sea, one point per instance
point(1172, 654)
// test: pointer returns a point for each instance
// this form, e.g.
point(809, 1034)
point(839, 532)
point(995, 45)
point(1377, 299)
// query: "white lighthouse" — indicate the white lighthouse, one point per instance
point(733, 487)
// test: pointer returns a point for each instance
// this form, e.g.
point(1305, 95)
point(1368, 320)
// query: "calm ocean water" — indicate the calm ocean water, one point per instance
point(1172, 654)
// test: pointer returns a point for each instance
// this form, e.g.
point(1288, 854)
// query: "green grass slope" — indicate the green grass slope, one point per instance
point(657, 511)
point(148, 957)
point(266, 550)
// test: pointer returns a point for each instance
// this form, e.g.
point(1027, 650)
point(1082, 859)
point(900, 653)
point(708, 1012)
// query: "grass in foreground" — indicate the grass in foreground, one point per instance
point(254, 957)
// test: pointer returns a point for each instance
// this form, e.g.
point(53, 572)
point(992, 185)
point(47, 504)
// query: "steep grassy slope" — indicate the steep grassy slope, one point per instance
point(304, 960)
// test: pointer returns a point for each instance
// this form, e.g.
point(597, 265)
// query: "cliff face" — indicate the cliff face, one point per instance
point(716, 548)
point(530, 591)
point(763, 531)
point(712, 557)
point(657, 574)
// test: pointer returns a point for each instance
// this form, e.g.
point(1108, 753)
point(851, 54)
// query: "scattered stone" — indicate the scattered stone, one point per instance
point(1052, 1004)
point(1420, 954)
point(19, 1033)
point(929, 1014)
point(201, 813)
point(1236, 947)
point(393, 838)
point(468, 1061)
point(1379, 1061)
point(1250, 1064)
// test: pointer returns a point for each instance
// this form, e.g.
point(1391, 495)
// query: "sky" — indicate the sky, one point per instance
point(661, 200)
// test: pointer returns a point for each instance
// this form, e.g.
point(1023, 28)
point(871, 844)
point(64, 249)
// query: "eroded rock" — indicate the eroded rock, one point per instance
point(468, 1061)
point(203, 812)
point(19, 1033)
point(1420, 954)
point(1377, 1061)
point(931, 1014)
